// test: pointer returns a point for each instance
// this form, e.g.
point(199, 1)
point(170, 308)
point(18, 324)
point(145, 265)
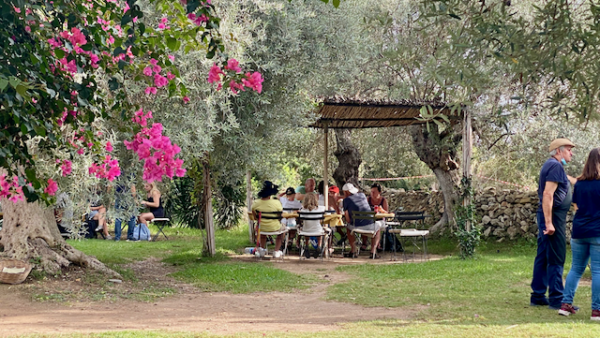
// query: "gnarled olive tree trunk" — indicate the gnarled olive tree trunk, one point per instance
point(438, 150)
point(348, 157)
point(29, 233)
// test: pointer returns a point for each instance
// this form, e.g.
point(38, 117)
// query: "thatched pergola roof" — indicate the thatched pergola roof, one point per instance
point(352, 113)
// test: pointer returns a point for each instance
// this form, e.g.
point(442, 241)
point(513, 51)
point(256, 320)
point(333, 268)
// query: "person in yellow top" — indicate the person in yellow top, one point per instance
point(266, 204)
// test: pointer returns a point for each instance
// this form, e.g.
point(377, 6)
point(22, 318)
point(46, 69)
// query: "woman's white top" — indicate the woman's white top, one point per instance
point(313, 226)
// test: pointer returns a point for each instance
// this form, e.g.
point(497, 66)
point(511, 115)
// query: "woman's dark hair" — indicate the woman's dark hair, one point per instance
point(268, 189)
point(591, 169)
point(376, 185)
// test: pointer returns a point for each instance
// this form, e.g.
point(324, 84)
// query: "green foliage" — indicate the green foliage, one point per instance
point(184, 206)
point(230, 201)
point(468, 238)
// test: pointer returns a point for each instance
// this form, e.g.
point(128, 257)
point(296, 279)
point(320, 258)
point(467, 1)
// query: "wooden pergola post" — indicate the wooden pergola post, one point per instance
point(325, 165)
point(249, 203)
point(467, 136)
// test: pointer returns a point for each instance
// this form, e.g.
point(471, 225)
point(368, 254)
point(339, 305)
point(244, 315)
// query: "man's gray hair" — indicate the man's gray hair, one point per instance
point(555, 151)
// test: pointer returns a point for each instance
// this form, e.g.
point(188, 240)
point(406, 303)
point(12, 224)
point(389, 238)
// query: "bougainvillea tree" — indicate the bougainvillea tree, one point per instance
point(63, 66)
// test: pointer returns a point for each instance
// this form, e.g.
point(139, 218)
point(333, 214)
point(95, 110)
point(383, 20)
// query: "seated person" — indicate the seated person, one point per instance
point(266, 204)
point(357, 201)
point(154, 204)
point(310, 204)
point(376, 200)
point(98, 213)
point(288, 201)
point(335, 201)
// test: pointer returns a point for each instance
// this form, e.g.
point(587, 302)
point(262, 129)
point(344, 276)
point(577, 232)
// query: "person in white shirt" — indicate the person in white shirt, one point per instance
point(290, 204)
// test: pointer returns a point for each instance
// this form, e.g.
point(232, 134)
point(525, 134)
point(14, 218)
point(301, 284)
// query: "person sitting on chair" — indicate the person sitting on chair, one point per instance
point(154, 204)
point(310, 204)
point(357, 201)
point(98, 213)
point(266, 204)
point(376, 200)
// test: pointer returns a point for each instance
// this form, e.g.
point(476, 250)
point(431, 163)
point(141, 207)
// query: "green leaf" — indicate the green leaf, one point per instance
point(172, 43)
point(22, 90)
point(336, 3)
point(3, 83)
point(59, 53)
point(30, 174)
point(40, 130)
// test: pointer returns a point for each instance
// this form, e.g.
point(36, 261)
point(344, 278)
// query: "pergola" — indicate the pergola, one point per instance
point(353, 113)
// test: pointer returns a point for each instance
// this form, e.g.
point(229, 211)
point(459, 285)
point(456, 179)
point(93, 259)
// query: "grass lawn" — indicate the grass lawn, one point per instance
point(209, 274)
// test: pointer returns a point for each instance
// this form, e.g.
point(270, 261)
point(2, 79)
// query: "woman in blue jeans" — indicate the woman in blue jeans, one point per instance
point(585, 238)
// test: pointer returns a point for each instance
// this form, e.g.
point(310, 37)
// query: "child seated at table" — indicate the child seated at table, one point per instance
point(310, 204)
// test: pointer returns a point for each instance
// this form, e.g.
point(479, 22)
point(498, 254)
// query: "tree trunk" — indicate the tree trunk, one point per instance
point(349, 159)
point(438, 150)
point(210, 247)
point(29, 233)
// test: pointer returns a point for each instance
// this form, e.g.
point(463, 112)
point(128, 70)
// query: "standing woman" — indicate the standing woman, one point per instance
point(154, 204)
point(585, 240)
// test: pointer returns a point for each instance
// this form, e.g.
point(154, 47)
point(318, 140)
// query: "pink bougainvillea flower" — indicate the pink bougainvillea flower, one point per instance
point(148, 71)
point(160, 81)
point(80, 151)
point(153, 61)
point(253, 81)
point(214, 75)
point(52, 187)
point(233, 64)
point(28, 29)
point(186, 99)
point(135, 19)
point(170, 76)
point(109, 146)
point(66, 167)
point(156, 69)
point(126, 8)
point(17, 9)
point(171, 57)
point(150, 90)
point(234, 86)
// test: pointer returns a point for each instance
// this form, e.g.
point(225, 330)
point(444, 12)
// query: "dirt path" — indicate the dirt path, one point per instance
point(191, 310)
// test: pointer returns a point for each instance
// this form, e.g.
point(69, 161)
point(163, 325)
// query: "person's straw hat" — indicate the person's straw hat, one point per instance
point(350, 187)
point(560, 142)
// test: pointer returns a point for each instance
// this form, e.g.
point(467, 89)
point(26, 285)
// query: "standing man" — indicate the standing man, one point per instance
point(554, 192)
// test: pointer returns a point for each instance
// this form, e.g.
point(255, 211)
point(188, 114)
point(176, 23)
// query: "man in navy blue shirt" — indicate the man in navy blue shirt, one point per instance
point(554, 192)
point(357, 201)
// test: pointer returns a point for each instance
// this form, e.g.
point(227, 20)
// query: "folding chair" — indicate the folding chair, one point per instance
point(410, 234)
point(363, 215)
point(324, 233)
point(160, 223)
point(282, 231)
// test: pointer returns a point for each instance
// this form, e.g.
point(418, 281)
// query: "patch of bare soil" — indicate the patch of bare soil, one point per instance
point(110, 307)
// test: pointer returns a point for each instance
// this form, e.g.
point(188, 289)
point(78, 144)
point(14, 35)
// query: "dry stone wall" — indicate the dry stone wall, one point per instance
point(503, 214)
